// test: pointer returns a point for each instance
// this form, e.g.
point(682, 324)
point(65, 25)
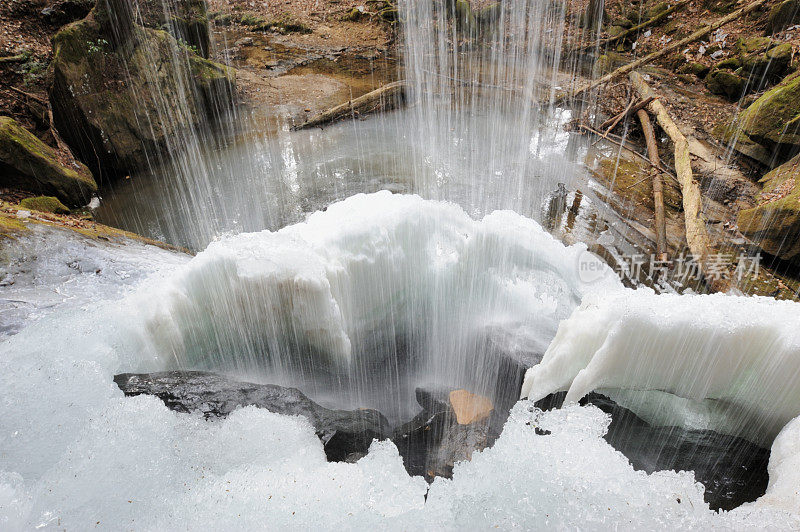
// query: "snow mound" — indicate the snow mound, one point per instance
point(741, 352)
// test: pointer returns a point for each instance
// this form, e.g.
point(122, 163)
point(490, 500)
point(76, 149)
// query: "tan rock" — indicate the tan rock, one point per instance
point(470, 407)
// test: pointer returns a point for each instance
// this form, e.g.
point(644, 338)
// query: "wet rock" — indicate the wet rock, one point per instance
point(783, 15)
point(186, 20)
point(725, 83)
point(732, 470)
point(343, 432)
point(773, 120)
point(44, 204)
point(29, 164)
point(115, 104)
point(775, 223)
point(452, 425)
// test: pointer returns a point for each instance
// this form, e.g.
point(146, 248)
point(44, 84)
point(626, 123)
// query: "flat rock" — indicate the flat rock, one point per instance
point(343, 432)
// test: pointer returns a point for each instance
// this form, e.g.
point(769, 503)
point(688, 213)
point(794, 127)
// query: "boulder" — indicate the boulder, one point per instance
point(697, 69)
point(29, 164)
point(774, 224)
point(187, 21)
point(344, 433)
point(725, 83)
point(767, 67)
point(120, 95)
point(783, 15)
point(44, 204)
point(772, 121)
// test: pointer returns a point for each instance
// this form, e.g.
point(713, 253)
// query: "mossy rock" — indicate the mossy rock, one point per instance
point(773, 120)
point(752, 44)
point(775, 224)
point(697, 69)
point(116, 107)
point(767, 67)
point(656, 10)
point(731, 63)
point(187, 21)
point(29, 164)
point(608, 62)
point(613, 31)
point(463, 15)
point(730, 134)
point(631, 179)
point(44, 204)
point(489, 15)
point(726, 84)
point(782, 16)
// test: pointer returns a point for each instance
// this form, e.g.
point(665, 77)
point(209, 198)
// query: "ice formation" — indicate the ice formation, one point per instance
point(741, 352)
point(77, 454)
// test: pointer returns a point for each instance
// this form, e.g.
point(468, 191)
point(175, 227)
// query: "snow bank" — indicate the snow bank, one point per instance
point(741, 352)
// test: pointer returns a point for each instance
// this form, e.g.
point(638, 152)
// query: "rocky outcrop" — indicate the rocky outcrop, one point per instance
point(770, 125)
point(782, 15)
point(186, 20)
point(122, 92)
point(759, 62)
point(27, 163)
point(774, 224)
point(345, 434)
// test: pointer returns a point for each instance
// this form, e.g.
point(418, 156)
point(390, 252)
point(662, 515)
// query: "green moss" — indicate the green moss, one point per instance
point(696, 69)
point(44, 204)
point(772, 119)
point(732, 63)
point(631, 180)
point(10, 226)
point(656, 10)
point(726, 84)
point(751, 44)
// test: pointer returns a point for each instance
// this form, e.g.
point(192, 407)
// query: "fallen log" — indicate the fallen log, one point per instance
point(696, 233)
point(658, 186)
point(383, 99)
point(697, 35)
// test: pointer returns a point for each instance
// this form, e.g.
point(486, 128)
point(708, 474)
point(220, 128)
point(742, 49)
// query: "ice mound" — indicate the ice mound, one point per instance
point(741, 352)
point(344, 284)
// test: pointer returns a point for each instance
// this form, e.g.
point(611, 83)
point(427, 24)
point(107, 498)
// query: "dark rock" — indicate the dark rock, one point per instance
point(434, 440)
point(343, 432)
point(733, 470)
point(66, 11)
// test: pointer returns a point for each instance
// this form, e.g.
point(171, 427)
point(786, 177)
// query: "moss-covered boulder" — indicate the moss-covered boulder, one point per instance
point(769, 66)
point(775, 223)
point(697, 69)
point(29, 164)
point(186, 20)
point(119, 101)
point(783, 15)
point(655, 10)
point(44, 204)
point(726, 84)
point(773, 120)
point(752, 44)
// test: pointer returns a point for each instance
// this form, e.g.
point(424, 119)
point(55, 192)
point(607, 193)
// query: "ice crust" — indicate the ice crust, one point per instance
point(742, 353)
point(77, 454)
